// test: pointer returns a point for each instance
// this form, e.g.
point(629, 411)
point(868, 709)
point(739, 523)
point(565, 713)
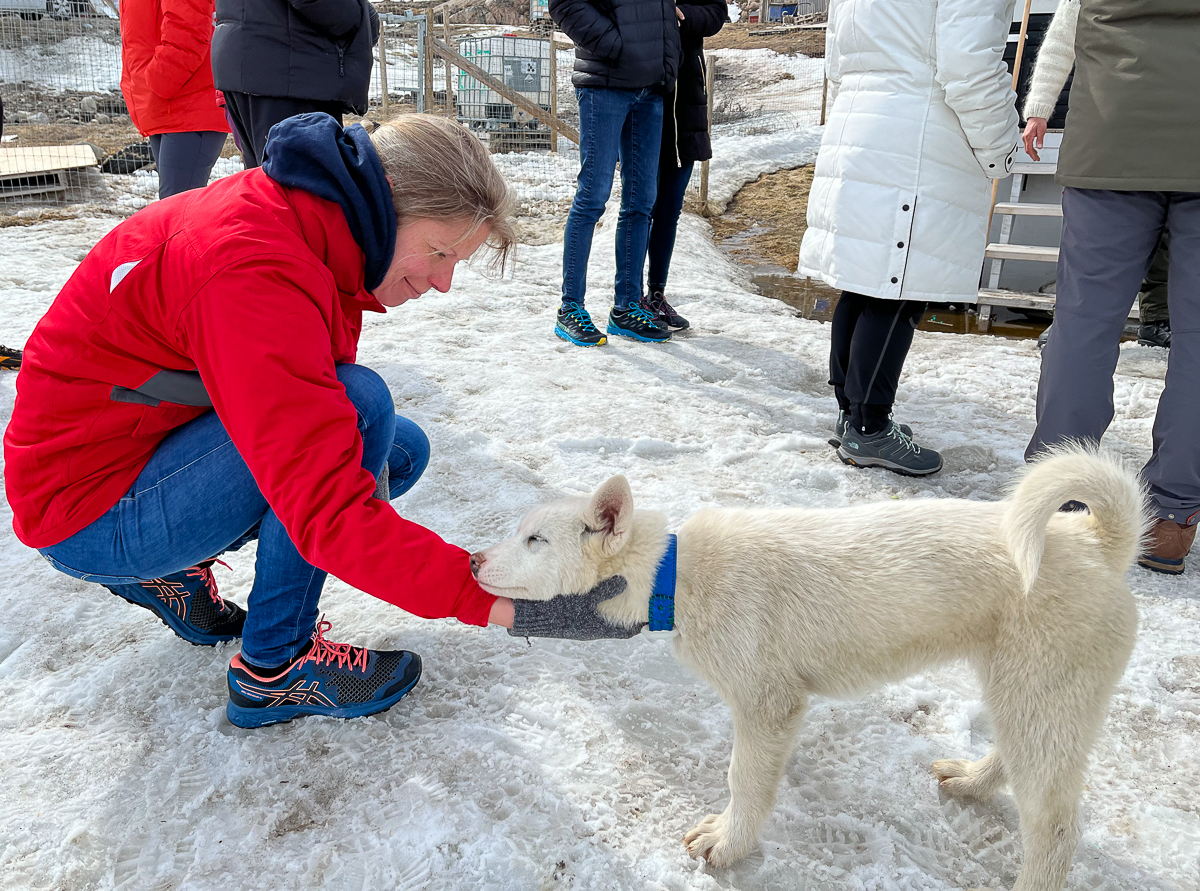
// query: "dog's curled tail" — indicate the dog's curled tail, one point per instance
point(1115, 498)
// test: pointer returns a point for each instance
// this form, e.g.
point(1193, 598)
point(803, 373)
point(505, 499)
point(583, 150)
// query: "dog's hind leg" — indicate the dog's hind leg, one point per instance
point(762, 743)
point(974, 780)
point(1046, 724)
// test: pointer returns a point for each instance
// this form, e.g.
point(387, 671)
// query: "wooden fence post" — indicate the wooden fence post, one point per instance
point(383, 81)
point(429, 58)
point(709, 80)
point(449, 69)
point(553, 90)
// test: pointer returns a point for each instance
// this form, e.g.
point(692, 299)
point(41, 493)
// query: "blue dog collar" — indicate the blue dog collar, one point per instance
point(662, 598)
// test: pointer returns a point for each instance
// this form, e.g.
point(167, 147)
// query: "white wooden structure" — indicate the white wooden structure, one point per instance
point(41, 169)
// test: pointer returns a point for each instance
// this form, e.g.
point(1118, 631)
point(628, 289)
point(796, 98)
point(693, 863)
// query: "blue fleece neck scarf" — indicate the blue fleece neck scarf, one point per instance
point(311, 152)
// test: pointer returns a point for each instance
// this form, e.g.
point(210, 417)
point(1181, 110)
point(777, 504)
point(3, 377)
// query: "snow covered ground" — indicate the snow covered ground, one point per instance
point(517, 765)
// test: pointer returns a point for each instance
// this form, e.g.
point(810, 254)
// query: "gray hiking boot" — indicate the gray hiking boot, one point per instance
point(890, 448)
point(839, 429)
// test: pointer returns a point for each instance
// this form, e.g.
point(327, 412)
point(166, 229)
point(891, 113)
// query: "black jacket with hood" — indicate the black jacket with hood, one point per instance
point(296, 49)
point(685, 117)
point(621, 44)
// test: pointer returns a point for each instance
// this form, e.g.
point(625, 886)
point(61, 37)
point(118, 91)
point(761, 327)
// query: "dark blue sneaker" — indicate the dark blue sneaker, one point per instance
point(187, 602)
point(637, 322)
point(324, 679)
point(575, 325)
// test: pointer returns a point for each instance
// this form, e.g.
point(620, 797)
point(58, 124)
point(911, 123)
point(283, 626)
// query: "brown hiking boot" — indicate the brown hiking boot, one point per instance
point(1166, 546)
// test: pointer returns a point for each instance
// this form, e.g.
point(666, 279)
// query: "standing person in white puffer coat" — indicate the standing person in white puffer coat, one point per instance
point(923, 115)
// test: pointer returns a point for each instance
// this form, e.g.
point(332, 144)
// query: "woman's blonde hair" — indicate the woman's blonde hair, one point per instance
point(440, 171)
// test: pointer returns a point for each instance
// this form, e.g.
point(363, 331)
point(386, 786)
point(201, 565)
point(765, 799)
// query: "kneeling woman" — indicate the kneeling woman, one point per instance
point(119, 473)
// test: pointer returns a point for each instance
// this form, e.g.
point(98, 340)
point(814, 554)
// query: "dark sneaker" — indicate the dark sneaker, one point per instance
point(1155, 334)
point(1166, 546)
point(188, 604)
point(890, 448)
point(1044, 336)
point(574, 324)
point(324, 679)
point(9, 358)
point(664, 312)
point(839, 429)
point(637, 322)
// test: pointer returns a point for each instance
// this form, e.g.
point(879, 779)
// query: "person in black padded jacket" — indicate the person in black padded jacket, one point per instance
point(277, 58)
point(685, 141)
point(626, 61)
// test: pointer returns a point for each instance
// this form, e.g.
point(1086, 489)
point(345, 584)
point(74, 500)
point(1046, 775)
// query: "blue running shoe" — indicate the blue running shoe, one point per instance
point(575, 325)
point(637, 322)
point(323, 679)
point(187, 602)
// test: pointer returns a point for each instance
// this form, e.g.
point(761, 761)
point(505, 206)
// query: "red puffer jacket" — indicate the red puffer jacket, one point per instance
point(259, 288)
point(166, 66)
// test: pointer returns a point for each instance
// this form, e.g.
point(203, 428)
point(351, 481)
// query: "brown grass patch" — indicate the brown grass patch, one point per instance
point(737, 36)
point(764, 222)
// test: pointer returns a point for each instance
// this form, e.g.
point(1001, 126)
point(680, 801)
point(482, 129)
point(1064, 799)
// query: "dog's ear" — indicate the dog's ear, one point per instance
point(610, 514)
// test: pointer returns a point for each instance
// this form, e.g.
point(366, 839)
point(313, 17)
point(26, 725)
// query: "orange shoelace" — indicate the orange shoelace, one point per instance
point(210, 581)
point(324, 650)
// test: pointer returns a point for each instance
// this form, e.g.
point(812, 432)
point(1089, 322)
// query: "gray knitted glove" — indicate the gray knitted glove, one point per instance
point(572, 616)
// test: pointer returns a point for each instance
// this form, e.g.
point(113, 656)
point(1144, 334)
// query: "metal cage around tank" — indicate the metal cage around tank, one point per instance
point(522, 64)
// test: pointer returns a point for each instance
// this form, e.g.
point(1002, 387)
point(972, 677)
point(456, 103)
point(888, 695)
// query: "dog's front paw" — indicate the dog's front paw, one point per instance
point(713, 840)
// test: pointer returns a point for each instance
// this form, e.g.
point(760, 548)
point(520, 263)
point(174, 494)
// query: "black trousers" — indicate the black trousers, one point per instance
point(253, 117)
point(868, 345)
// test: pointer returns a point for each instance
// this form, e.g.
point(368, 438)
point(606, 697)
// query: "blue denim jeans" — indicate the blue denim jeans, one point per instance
point(614, 125)
point(672, 186)
point(195, 499)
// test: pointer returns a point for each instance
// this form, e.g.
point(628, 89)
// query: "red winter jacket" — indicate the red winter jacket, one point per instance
point(259, 288)
point(166, 66)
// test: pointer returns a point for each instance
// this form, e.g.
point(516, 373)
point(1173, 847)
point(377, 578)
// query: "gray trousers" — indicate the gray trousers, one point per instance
point(1107, 242)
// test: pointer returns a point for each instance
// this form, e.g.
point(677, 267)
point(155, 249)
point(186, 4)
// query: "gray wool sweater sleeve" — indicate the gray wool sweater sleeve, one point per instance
point(572, 616)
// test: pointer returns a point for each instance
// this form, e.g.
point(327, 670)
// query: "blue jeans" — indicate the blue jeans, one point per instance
point(672, 186)
point(614, 125)
point(195, 498)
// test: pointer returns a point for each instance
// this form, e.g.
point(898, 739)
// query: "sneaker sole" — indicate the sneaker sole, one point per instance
point(613, 329)
point(583, 343)
point(858, 461)
point(199, 639)
point(1161, 564)
point(253, 718)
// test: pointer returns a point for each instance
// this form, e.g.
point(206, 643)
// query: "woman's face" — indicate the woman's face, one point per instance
point(426, 251)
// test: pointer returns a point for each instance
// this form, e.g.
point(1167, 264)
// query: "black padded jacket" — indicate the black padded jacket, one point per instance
point(621, 44)
point(296, 49)
point(685, 117)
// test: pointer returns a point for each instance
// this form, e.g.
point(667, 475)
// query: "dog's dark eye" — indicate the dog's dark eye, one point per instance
point(533, 539)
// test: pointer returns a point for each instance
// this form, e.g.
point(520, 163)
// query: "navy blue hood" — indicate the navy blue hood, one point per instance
point(312, 152)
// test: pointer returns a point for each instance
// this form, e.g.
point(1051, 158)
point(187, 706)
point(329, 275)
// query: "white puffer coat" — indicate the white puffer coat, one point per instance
point(923, 114)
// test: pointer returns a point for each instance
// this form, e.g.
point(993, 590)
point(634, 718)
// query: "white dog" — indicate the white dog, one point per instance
point(773, 606)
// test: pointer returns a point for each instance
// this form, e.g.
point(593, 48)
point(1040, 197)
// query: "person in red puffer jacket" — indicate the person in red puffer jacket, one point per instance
point(193, 387)
point(167, 81)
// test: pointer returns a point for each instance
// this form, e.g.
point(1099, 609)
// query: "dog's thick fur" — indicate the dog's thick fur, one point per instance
point(776, 605)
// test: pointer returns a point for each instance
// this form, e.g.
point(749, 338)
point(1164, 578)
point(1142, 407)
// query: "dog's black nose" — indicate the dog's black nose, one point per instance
point(476, 562)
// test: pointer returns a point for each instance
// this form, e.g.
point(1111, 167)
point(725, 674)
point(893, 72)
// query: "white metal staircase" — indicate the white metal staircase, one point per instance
point(1005, 249)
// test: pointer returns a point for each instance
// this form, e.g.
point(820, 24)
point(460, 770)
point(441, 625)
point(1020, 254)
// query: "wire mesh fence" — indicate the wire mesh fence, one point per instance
point(64, 114)
point(60, 72)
